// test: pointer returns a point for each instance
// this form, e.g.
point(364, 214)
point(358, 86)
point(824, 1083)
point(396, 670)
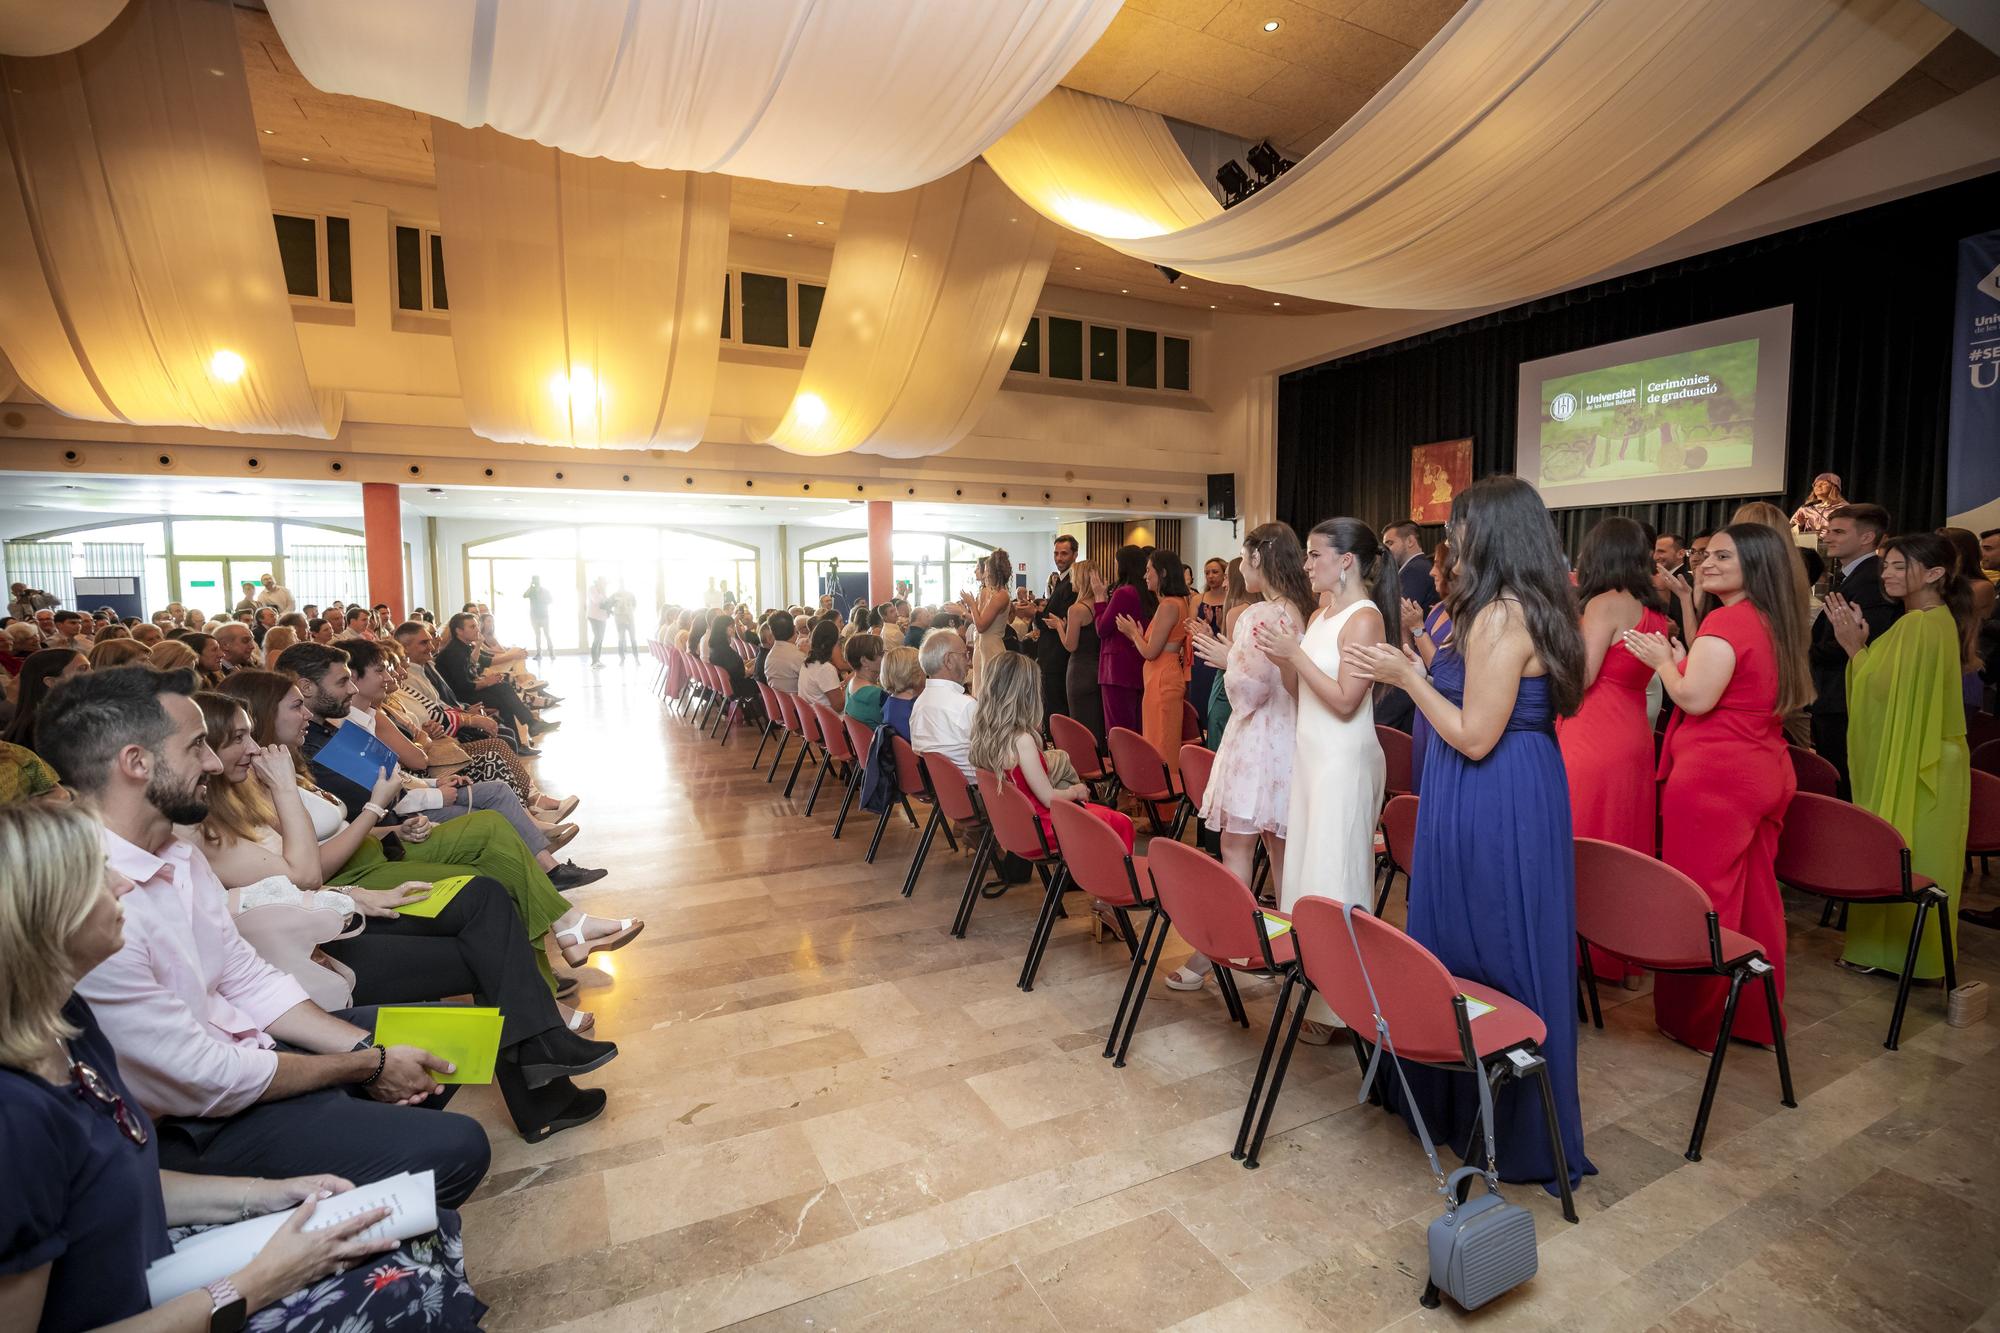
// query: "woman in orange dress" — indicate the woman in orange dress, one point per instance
point(1726, 779)
point(1607, 747)
point(1160, 641)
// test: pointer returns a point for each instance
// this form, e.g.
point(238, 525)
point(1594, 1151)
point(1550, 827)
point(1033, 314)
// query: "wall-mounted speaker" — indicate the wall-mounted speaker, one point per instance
point(1222, 496)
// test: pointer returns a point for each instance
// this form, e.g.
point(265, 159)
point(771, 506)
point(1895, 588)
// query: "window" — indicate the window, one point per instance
point(728, 308)
point(766, 310)
point(1128, 358)
point(315, 253)
point(928, 568)
point(811, 296)
point(1103, 354)
point(1142, 359)
point(420, 271)
point(1065, 349)
point(1176, 376)
point(1028, 356)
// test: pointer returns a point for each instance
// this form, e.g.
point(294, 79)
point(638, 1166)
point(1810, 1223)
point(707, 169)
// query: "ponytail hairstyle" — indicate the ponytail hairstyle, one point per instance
point(1350, 536)
point(1504, 544)
point(1771, 581)
point(1281, 563)
point(1937, 550)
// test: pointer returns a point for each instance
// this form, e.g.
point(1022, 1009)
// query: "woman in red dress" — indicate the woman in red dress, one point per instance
point(1727, 779)
point(1607, 747)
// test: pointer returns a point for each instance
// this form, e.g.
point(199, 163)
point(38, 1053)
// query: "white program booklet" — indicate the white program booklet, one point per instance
point(216, 1253)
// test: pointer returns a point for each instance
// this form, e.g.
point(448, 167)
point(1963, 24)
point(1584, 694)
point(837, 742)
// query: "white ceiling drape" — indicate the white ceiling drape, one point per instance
point(48, 27)
point(1531, 144)
point(139, 272)
point(586, 295)
point(863, 94)
point(929, 294)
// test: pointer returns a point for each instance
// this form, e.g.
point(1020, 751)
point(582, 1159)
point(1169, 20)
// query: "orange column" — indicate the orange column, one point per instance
point(881, 552)
point(382, 526)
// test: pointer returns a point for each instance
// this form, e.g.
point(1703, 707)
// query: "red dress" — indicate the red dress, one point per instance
point(1607, 751)
point(1726, 784)
point(1120, 823)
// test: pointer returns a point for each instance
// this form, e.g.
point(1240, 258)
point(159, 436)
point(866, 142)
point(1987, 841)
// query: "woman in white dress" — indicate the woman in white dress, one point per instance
point(989, 614)
point(1337, 767)
point(1249, 793)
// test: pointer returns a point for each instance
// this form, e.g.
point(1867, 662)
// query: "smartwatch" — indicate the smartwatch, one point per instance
point(230, 1311)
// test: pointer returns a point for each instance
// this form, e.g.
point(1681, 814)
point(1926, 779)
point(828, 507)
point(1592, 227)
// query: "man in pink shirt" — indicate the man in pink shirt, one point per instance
point(245, 1075)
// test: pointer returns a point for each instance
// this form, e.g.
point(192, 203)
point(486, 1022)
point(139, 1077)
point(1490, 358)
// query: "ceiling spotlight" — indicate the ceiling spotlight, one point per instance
point(1170, 274)
point(1277, 303)
point(270, 131)
point(1268, 162)
point(305, 159)
point(1270, 25)
point(226, 366)
point(1235, 182)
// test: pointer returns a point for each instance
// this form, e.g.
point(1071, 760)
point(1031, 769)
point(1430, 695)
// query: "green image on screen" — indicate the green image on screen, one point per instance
point(1686, 412)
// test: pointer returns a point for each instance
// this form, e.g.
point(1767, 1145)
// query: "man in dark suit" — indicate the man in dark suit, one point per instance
point(1406, 548)
point(1853, 532)
point(1049, 651)
point(458, 663)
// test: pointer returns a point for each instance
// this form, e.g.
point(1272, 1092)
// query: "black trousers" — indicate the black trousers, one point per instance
point(341, 1131)
point(1829, 737)
point(475, 946)
point(1055, 686)
point(506, 701)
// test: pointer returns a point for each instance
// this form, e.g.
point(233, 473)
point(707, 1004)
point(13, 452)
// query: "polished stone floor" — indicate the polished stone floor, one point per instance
point(828, 1114)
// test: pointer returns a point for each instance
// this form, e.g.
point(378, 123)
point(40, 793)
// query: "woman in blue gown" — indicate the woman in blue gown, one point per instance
point(1493, 880)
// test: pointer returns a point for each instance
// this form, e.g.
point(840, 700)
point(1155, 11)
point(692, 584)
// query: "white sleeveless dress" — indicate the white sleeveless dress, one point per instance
point(1337, 778)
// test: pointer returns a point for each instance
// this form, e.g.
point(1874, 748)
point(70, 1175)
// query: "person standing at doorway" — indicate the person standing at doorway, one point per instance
point(540, 599)
point(599, 611)
point(623, 604)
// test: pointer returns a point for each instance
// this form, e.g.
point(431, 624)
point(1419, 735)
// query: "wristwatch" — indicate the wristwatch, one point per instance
point(230, 1311)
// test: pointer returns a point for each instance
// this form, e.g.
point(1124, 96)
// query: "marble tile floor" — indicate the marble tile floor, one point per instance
point(828, 1114)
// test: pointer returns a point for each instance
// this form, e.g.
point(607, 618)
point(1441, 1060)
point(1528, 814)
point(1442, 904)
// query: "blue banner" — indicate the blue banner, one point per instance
point(1972, 473)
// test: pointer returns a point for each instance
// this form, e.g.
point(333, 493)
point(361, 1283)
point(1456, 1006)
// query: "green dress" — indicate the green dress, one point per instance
point(480, 843)
point(1906, 753)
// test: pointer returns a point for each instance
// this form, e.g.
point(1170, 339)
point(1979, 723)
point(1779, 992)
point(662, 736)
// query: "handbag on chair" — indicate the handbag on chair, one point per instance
point(1481, 1248)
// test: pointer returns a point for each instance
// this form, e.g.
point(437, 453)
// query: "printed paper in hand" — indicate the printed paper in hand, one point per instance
point(216, 1253)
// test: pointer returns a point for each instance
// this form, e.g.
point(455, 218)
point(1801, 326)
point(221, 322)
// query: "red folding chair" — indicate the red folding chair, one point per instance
point(1850, 855)
point(1982, 831)
point(952, 794)
point(1142, 771)
point(1015, 829)
point(861, 740)
point(1101, 867)
point(1814, 773)
point(1397, 764)
point(913, 779)
point(1646, 912)
point(1197, 763)
point(833, 739)
point(1216, 913)
point(774, 725)
point(1399, 841)
point(1985, 759)
point(1191, 727)
point(1085, 754)
point(809, 744)
point(1423, 1007)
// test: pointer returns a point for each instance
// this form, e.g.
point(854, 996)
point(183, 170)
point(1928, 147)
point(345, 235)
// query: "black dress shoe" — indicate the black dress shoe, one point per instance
point(538, 727)
point(550, 1109)
point(570, 875)
point(560, 1053)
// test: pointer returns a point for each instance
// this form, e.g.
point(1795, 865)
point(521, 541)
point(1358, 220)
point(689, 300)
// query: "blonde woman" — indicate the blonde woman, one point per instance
point(277, 639)
point(989, 611)
point(1007, 741)
point(117, 653)
point(1078, 631)
point(173, 655)
point(87, 1207)
point(902, 681)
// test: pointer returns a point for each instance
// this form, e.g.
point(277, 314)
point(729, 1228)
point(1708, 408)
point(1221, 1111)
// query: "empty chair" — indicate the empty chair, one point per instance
point(1986, 759)
point(1011, 816)
point(1197, 763)
point(1433, 1018)
point(1191, 728)
point(911, 780)
point(955, 799)
point(1399, 840)
point(1217, 915)
point(1142, 771)
point(774, 724)
point(1396, 760)
point(1815, 774)
point(1646, 912)
point(1100, 865)
point(1085, 754)
point(1851, 855)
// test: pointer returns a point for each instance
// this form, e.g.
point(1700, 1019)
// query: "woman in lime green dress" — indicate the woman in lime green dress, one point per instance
point(1906, 736)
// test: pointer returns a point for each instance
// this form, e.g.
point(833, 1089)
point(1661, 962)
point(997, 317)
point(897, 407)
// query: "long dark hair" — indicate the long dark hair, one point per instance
point(1132, 574)
point(1505, 544)
point(1772, 579)
point(43, 662)
point(1939, 550)
point(826, 634)
point(1281, 564)
point(1173, 580)
point(1616, 557)
point(1350, 536)
point(717, 636)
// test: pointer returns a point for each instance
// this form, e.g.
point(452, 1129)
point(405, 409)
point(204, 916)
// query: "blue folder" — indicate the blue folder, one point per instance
point(356, 755)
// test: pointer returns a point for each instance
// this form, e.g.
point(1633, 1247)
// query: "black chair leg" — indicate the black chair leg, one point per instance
point(1263, 1065)
point(757, 761)
point(1826, 913)
point(1131, 980)
point(875, 842)
point(1225, 981)
point(1125, 934)
point(805, 753)
point(1256, 1144)
point(1045, 922)
point(854, 773)
point(1139, 996)
point(818, 782)
point(1555, 1138)
point(1909, 972)
point(1693, 1153)
point(908, 813)
point(1944, 943)
point(980, 857)
point(1590, 984)
point(923, 850)
point(1778, 1037)
point(784, 739)
point(1388, 883)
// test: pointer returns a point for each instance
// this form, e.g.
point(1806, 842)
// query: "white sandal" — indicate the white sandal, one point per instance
point(577, 1020)
point(628, 930)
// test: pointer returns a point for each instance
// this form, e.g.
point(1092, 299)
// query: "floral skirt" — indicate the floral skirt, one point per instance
point(419, 1285)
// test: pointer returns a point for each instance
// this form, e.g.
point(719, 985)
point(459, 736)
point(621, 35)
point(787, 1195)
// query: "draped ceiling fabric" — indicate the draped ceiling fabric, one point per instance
point(139, 273)
point(927, 299)
point(864, 94)
point(1530, 144)
point(585, 294)
point(48, 27)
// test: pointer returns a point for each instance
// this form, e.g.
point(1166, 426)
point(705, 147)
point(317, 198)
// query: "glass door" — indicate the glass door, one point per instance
point(203, 582)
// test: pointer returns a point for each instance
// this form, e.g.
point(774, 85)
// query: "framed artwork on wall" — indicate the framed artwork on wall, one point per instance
point(1438, 472)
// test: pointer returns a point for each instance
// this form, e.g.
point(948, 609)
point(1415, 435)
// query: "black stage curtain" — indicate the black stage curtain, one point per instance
point(1871, 293)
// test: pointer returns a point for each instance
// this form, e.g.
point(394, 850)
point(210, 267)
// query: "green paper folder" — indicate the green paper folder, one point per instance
point(441, 894)
point(466, 1035)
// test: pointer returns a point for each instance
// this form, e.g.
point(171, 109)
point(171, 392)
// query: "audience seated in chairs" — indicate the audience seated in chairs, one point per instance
point(419, 643)
point(865, 696)
point(902, 681)
point(471, 674)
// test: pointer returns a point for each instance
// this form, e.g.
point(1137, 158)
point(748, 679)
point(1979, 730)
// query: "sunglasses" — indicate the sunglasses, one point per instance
point(90, 1083)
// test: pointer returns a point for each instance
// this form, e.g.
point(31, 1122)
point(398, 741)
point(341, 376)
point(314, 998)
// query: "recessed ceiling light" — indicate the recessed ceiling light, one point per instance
point(1124, 291)
point(1211, 307)
point(270, 131)
point(818, 223)
point(1277, 303)
point(788, 236)
point(305, 159)
point(1183, 286)
point(1270, 25)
